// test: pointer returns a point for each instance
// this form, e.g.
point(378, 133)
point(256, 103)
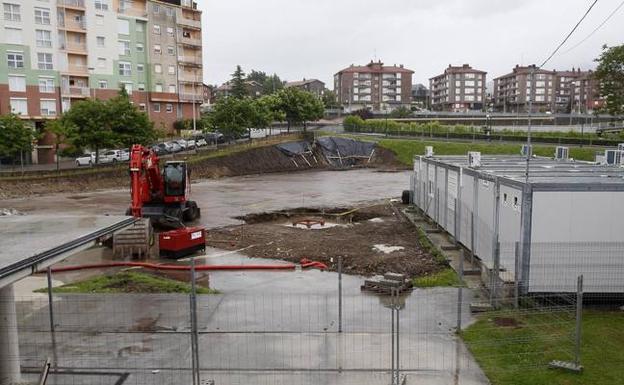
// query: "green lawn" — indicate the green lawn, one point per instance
point(128, 282)
point(406, 149)
point(520, 355)
point(446, 277)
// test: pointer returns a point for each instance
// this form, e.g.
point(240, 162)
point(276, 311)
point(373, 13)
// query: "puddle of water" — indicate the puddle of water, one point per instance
point(376, 220)
point(386, 249)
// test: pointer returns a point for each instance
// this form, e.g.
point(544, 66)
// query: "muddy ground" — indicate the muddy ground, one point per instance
point(259, 160)
point(372, 239)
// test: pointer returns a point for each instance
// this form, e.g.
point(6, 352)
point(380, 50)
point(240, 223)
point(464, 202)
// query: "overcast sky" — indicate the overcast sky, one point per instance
point(317, 38)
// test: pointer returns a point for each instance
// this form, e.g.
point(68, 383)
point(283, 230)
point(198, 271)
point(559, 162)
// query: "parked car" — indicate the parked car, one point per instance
point(86, 160)
point(160, 149)
point(201, 142)
point(174, 146)
point(215, 137)
point(191, 144)
point(183, 143)
point(125, 155)
point(111, 156)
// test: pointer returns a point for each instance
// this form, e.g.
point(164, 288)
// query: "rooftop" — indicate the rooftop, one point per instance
point(542, 171)
point(303, 82)
point(378, 67)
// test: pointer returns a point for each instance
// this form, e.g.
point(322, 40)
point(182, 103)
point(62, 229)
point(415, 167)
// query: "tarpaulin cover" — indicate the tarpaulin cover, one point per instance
point(345, 151)
point(294, 148)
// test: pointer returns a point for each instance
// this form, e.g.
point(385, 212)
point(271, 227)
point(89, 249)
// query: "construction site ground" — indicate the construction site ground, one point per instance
point(372, 238)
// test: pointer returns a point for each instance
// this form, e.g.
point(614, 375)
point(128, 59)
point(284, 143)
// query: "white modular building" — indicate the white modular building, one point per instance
point(540, 233)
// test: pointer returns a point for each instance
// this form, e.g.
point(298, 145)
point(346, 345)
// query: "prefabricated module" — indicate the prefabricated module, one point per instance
point(539, 232)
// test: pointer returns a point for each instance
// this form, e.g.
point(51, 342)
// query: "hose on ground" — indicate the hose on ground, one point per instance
point(305, 264)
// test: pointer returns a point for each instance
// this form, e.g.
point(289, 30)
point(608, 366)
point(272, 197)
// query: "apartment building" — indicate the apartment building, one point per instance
point(54, 53)
point(585, 93)
point(313, 86)
point(552, 91)
point(458, 89)
point(374, 86)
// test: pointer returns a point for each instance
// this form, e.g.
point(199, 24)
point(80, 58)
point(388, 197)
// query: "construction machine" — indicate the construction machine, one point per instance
point(162, 198)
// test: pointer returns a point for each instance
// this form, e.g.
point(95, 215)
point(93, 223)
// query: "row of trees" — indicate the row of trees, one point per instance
point(89, 124)
point(235, 114)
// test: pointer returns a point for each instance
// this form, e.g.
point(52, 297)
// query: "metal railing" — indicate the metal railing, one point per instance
point(189, 22)
point(189, 40)
point(73, 46)
point(73, 24)
point(132, 11)
point(190, 59)
point(72, 3)
point(76, 91)
point(191, 97)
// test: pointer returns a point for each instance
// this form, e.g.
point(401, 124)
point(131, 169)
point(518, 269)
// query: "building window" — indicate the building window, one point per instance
point(125, 69)
point(140, 47)
point(127, 87)
point(170, 12)
point(172, 88)
point(171, 50)
point(158, 88)
point(44, 38)
point(47, 107)
point(156, 107)
point(156, 8)
point(101, 41)
point(13, 35)
point(102, 84)
point(99, 19)
point(171, 70)
point(19, 106)
point(142, 107)
point(101, 62)
point(169, 108)
point(158, 68)
point(140, 67)
point(15, 59)
point(46, 85)
point(141, 86)
point(101, 5)
point(170, 31)
point(44, 61)
point(123, 27)
point(157, 29)
point(124, 48)
point(140, 26)
point(42, 16)
point(17, 83)
point(157, 49)
point(12, 12)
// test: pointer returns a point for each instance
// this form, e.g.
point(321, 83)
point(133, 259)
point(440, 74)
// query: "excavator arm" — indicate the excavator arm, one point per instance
point(146, 183)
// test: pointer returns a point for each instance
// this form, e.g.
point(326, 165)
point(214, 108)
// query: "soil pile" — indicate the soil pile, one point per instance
point(372, 240)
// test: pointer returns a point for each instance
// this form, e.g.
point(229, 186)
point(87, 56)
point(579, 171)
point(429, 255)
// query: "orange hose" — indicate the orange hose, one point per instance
point(154, 266)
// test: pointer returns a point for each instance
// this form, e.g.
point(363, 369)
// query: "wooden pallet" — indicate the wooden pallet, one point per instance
point(387, 283)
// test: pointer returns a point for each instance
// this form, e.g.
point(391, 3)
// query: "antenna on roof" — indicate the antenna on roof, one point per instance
point(375, 54)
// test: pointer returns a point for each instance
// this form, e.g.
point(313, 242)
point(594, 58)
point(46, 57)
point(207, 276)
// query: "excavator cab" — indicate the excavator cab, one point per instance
point(175, 177)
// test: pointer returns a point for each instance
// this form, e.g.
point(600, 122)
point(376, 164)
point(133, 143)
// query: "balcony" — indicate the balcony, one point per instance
point(189, 22)
point(195, 61)
point(71, 3)
point(190, 41)
point(80, 92)
point(189, 77)
point(191, 98)
point(136, 12)
point(77, 47)
point(77, 68)
point(73, 24)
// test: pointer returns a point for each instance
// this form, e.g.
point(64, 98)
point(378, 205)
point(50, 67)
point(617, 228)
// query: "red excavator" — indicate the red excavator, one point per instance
point(161, 196)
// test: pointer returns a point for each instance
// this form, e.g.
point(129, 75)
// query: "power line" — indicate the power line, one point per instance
point(597, 28)
point(569, 34)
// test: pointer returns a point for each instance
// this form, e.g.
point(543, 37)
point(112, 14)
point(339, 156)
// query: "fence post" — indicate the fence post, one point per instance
point(398, 361)
point(495, 275)
point(472, 239)
point(194, 339)
point(340, 294)
point(460, 289)
point(50, 299)
point(579, 318)
point(392, 334)
point(517, 275)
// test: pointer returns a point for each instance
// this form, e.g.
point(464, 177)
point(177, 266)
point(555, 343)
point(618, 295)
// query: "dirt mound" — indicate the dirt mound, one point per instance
point(371, 240)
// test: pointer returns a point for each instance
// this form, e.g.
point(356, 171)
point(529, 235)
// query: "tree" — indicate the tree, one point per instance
point(329, 100)
point(63, 134)
point(230, 116)
point(610, 75)
point(300, 106)
point(239, 88)
point(257, 76)
point(88, 119)
point(272, 84)
point(15, 137)
point(128, 124)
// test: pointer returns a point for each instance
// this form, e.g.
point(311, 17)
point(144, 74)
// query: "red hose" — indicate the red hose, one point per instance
point(154, 266)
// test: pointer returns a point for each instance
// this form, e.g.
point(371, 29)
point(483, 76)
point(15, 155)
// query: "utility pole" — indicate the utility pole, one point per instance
point(528, 154)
